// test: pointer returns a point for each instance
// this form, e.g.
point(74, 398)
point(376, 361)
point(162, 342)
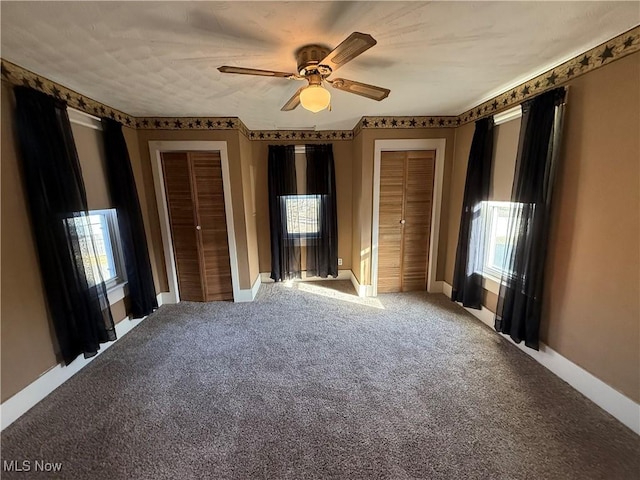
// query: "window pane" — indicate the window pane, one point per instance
point(102, 244)
point(302, 214)
point(95, 246)
point(498, 249)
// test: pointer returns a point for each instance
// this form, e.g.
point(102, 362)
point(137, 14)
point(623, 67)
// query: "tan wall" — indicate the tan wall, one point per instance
point(237, 198)
point(248, 164)
point(119, 310)
point(343, 155)
point(591, 312)
point(365, 200)
point(505, 149)
point(27, 337)
point(462, 145)
point(149, 215)
point(28, 346)
point(92, 162)
point(358, 258)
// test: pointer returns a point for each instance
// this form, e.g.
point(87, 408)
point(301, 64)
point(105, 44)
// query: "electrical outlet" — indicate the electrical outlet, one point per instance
point(339, 261)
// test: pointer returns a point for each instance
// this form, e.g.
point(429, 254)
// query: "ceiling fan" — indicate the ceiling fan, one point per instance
point(315, 64)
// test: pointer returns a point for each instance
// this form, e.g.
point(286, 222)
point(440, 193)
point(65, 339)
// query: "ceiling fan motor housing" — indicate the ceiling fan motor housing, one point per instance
point(309, 57)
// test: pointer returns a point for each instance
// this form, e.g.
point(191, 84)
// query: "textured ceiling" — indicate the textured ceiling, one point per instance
point(160, 58)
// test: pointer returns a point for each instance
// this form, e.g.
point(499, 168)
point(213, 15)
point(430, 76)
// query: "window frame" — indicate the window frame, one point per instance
point(489, 211)
point(302, 236)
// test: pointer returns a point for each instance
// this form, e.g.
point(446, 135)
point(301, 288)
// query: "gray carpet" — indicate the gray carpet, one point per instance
point(313, 382)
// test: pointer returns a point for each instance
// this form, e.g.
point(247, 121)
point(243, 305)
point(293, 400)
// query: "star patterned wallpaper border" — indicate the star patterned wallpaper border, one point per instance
point(17, 75)
point(605, 53)
point(406, 122)
point(189, 123)
point(301, 135)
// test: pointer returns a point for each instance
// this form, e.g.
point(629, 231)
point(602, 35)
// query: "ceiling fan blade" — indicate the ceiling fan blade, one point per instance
point(293, 102)
point(254, 71)
point(350, 48)
point(363, 89)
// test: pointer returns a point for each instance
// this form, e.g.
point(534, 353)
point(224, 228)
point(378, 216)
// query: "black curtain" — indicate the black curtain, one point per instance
point(285, 249)
point(122, 188)
point(520, 297)
point(75, 292)
point(467, 274)
point(322, 251)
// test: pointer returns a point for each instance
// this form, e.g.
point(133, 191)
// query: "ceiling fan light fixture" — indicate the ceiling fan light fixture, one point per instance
point(315, 64)
point(315, 98)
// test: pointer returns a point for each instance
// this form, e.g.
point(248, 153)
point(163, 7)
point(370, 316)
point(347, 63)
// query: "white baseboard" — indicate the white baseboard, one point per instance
point(367, 290)
point(249, 294)
point(606, 397)
point(362, 290)
point(165, 298)
point(16, 406)
point(256, 287)
point(265, 277)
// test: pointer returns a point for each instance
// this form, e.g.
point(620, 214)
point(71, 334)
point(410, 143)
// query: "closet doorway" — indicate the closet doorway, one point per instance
point(158, 148)
point(195, 203)
point(406, 196)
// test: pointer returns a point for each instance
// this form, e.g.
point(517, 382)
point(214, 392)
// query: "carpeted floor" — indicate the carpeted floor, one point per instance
point(310, 381)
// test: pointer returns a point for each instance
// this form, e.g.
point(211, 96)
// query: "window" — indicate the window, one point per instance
point(498, 249)
point(302, 214)
point(102, 226)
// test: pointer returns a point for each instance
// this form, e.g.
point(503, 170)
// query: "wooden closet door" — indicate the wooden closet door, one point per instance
point(406, 193)
point(195, 200)
point(392, 179)
point(418, 194)
point(180, 203)
point(210, 212)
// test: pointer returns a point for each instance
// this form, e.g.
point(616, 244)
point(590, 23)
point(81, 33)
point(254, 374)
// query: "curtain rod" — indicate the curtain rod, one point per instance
point(516, 111)
point(507, 115)
point(85, 119)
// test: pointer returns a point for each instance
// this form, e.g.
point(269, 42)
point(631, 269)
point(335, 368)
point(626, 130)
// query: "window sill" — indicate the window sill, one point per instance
point(491, 283)
point(304, 241)
point(117, 292)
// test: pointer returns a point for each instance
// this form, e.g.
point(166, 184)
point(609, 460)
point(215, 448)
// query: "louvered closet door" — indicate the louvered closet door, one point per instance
point(406, 193)
point(214, 251)
point(392, 177)
point(177, 183)
point(195, 200)
point(418, 194)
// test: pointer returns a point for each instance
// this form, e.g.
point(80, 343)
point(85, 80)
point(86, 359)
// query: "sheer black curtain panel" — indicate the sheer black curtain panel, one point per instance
point(124, 196)
point(75, 292)
point(467, 275)
point(520, 298)
point(285, 246)
point(322, 251)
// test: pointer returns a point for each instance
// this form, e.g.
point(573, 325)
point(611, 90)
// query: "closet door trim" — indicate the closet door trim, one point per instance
point(156, 148)
point(439, 145)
